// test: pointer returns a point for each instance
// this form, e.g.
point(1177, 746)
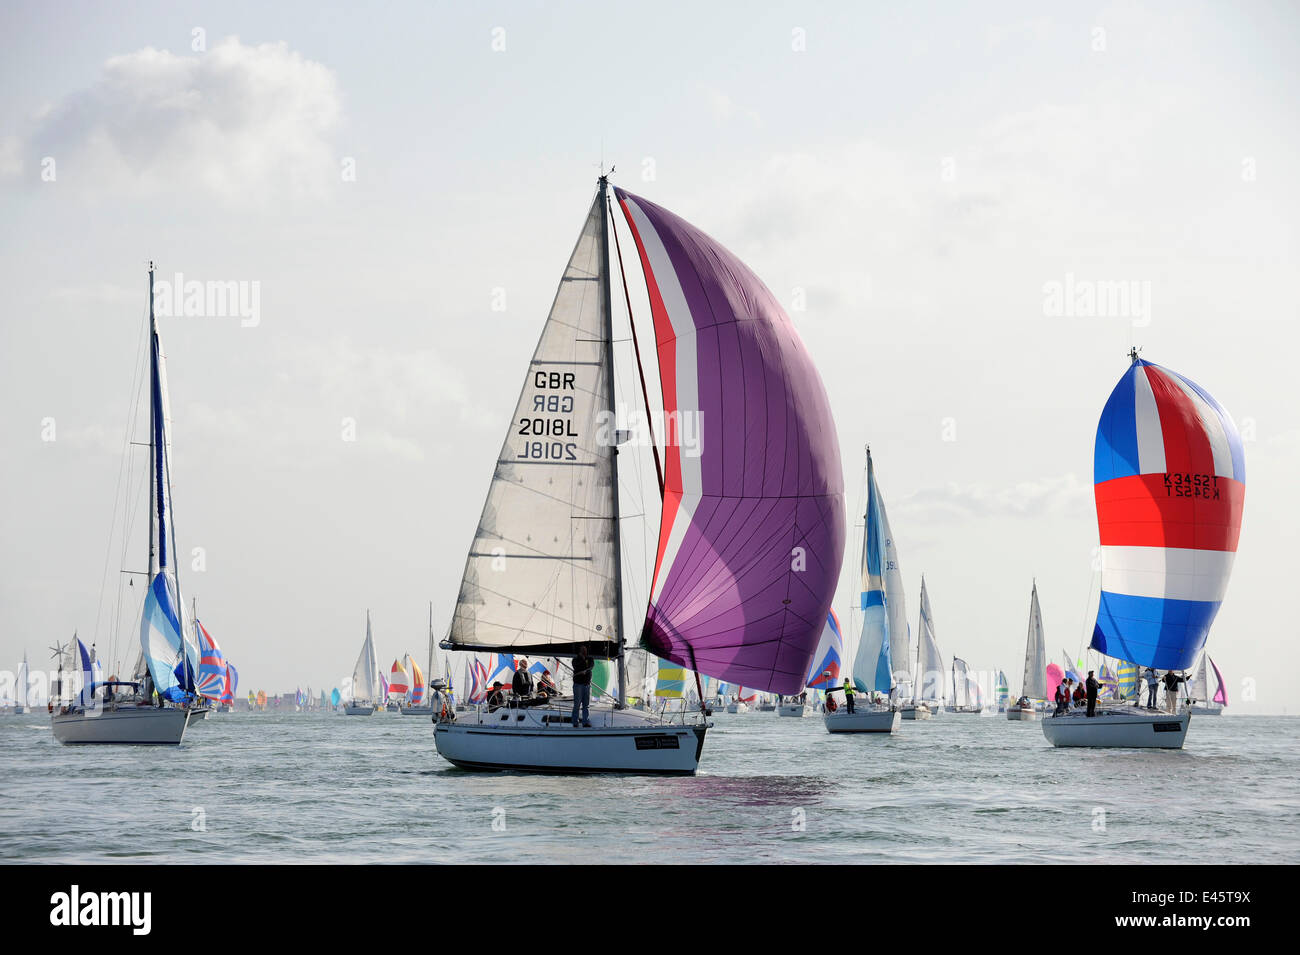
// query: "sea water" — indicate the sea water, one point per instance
point(322, 787)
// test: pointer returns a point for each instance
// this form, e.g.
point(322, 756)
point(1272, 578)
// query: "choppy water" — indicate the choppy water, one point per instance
point(328, 788)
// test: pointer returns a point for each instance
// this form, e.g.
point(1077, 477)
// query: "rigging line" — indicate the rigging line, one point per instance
point(119, 497)
point(645, 394)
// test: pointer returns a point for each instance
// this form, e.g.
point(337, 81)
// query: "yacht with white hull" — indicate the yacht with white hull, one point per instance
point(1033, 687)
point(544, 575)
point(1169, 482)
point(865, 718)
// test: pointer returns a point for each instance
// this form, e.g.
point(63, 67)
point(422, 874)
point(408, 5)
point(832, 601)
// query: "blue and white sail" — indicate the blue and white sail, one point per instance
point(877, 665)
point(165, 635)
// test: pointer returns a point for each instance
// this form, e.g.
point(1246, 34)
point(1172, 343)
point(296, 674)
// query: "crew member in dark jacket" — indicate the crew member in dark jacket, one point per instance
point(582, 667)
point(1093, 686)
point(522, 684)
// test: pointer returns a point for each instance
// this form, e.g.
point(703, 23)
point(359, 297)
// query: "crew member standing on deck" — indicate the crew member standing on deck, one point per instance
point(848, 695)
point(1152, 685)
point(1093, 687)
point(582, 667)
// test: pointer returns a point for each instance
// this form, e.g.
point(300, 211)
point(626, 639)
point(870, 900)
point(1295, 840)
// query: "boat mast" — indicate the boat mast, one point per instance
point(613, 458)
point(153, 444)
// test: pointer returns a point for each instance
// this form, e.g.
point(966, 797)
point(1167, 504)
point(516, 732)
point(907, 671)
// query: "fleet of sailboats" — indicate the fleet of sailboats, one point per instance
point(724, 625)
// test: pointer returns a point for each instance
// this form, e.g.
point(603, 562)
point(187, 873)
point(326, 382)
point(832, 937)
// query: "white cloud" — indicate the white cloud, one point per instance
point(236, 121)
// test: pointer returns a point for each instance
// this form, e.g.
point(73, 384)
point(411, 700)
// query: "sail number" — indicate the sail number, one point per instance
point(1192, 485)
point(558, 424)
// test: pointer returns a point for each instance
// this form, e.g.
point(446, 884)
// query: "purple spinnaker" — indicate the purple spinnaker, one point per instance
point(753, 528)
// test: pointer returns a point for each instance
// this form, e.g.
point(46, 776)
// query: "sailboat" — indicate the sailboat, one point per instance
point(927, 698)
point(22, 688)
point(1199, 690)
point(366, 696)
point(1169, 475)
point(882, 646)
point(965, 689)
point(751, 530)
point(1033, 687)
point(124, 711)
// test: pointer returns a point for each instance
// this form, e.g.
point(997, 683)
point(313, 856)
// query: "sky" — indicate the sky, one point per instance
point(402, 188)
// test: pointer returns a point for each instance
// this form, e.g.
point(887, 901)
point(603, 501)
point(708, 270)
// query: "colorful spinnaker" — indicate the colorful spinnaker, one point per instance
point(671, 682)
point(752, 531)
point(1126, 675)
point(232, 684)
point(398, 681)
point(1221, 691)
point(1169, 473)
point(212, 666)
point(417, 681)
point(825, 669)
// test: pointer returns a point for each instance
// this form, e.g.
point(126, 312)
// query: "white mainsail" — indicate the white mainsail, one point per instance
point(930, 672)
point(365, 675)
point(1034, 685)
point(542, 569)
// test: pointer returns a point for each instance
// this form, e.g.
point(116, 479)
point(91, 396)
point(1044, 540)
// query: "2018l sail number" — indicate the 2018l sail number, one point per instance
point(1192, 485)
point(551, 427)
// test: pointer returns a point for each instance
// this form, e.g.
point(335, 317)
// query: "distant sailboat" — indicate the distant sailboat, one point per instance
point(1033, 686)
point(123, 712)
point(1170, 474)
point(366, 695)
point(928, 696)
point(22, 687)
point(1203, 704)
point(427, 687)
point(884, 623)
point(544, 575)
point(965, 689)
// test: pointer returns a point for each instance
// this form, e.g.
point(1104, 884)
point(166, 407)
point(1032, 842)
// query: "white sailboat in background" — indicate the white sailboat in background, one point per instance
point(123, 711)
point(366, 697)
point(1169, 477)
point(22, 688)
point(1033, 687)
point(927, 701)
point(884, 621)
point(966, 697)
point(1203, 704)
point(545, 576)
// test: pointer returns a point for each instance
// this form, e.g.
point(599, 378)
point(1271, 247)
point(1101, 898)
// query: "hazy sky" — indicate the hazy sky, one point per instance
point(406, 184)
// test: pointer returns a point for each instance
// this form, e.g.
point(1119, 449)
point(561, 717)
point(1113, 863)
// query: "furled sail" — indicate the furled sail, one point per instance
point(752, 530)
point(540, 575)
point(1169, 474)
point(1034, 684)
point(930, 672)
